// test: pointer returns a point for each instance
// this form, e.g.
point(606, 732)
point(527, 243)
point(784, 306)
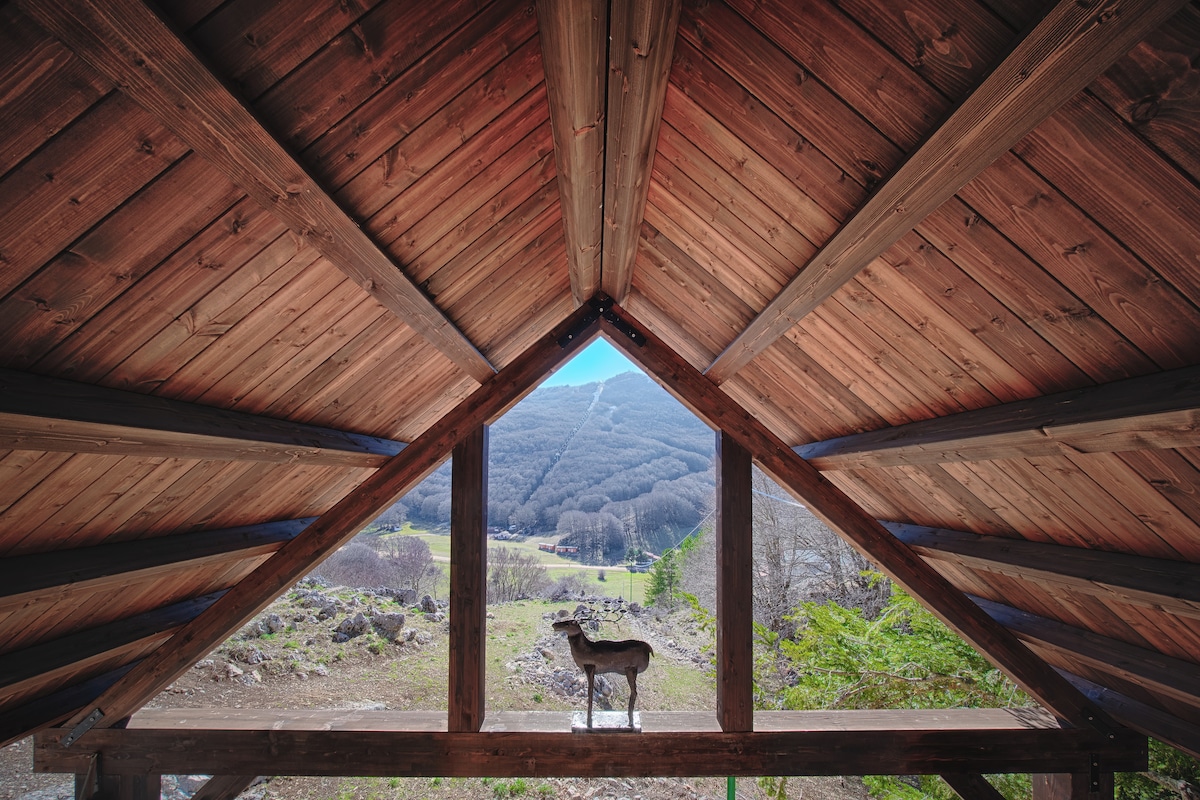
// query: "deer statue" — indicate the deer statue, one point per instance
point(629, 656)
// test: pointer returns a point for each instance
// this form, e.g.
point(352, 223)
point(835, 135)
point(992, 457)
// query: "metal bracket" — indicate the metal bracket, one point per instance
point(1093, 772)
point(85, 725)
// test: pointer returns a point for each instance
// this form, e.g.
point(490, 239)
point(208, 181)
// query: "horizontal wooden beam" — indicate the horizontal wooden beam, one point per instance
point(1155, 671)
point(128, 42)
point(641, 47)
point(73, 652)
point(1155, 722)
point(823, 743)
point(1157, 411)
point(347, 517)
point(50, 414)
point(49, 577)
point(848, 519)
point(1071, 45)
point(1171, 586)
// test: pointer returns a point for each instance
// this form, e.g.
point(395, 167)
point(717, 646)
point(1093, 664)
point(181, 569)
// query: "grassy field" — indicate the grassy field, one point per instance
point(618, 581)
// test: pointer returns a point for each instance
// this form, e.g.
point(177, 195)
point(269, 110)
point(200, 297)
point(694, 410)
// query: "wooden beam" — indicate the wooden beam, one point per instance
point(1060, 56)
point(1159, 411)
point(224, 787)
point(128, 42)
point(735, 589)
point(347, 517)
point(1171, 586)
point(1178, 733)
point(468, 581)
point(825, 743)
point(51, 709)
point(1155, 671)
point(1091, 785)
point(76, 652)
point(699, 393)
point(574, 39)
point(52, 576)
point(54, 415)
point(639, 61)
point(971, 786)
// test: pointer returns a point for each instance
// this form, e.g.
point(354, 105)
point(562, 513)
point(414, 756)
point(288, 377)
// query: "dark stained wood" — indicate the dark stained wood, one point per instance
point(19, 721)
point(828, 744)
point(88, 569)
point(76, 651)
point(699, 393)
point(224, 787)
point(1172, 677)
point(971, 786)
point(1072, 786)
point(130, 44)
point(343, 520)
point(642, 41)
point(1065, 51)
point(574, 39)
point(1173, 586)
point(1157, 411)
point(735, 591)
point(468, 582)
point(39, 413)
point(1152, 721)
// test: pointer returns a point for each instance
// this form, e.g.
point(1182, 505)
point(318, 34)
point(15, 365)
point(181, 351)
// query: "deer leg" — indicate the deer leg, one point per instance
point(590, 669)
point(631, 676)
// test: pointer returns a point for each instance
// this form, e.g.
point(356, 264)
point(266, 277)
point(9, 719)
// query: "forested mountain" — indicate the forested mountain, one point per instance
point(607, 466)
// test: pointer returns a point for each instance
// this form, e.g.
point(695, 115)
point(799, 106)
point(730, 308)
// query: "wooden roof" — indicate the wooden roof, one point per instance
point(947, 250)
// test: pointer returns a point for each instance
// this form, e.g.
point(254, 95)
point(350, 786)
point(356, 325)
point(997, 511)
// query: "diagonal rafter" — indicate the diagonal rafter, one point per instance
point(639, 61)
point(128, 42)
point(1060, 56)
point(340, 523)
point(574, 39)
point(831, 505)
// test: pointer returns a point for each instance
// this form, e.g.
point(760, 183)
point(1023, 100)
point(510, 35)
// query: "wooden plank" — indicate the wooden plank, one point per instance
point(19, 721)
point(127, 41)
point(639, 60)
point(345, 519)
point(1067, 49)
point(700, 393)
point(1166, 727)
point(735, 586)
point(574, 39)
point(87, 569)
point(468, 581)
point(50, 414)
point(1158, 411)
point(971, 786)
point(1161, 674)
point(74, 651)
point(1171, 586)
point(836, 749)
point(1073, 786)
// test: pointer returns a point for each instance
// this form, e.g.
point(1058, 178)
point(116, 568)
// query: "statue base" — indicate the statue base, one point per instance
point(606, 721)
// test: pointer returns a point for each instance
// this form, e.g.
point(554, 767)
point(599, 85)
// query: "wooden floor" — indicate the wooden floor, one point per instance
point(541, 744)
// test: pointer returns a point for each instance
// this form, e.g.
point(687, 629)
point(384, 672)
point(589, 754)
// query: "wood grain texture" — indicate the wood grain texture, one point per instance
point(642, 40)
point(468, 582)
point(1067, 49)
point(735, 586)
point(574, 39)
point(129, 43)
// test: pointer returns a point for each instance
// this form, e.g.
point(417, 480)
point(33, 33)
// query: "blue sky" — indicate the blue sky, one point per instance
point(597, 362)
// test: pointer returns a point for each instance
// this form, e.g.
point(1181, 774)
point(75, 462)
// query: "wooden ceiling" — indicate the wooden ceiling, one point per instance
point(946, 250)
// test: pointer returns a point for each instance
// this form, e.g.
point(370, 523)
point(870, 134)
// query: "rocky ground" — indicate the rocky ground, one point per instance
point(320, 647)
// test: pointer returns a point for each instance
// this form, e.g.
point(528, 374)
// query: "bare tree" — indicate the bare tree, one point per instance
point(410, 563)
point(513, 575)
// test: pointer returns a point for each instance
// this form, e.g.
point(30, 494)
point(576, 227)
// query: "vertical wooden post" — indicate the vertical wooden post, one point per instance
point(95, 786)
point(1073, 786)
point(468, 581)
point(735, 689)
